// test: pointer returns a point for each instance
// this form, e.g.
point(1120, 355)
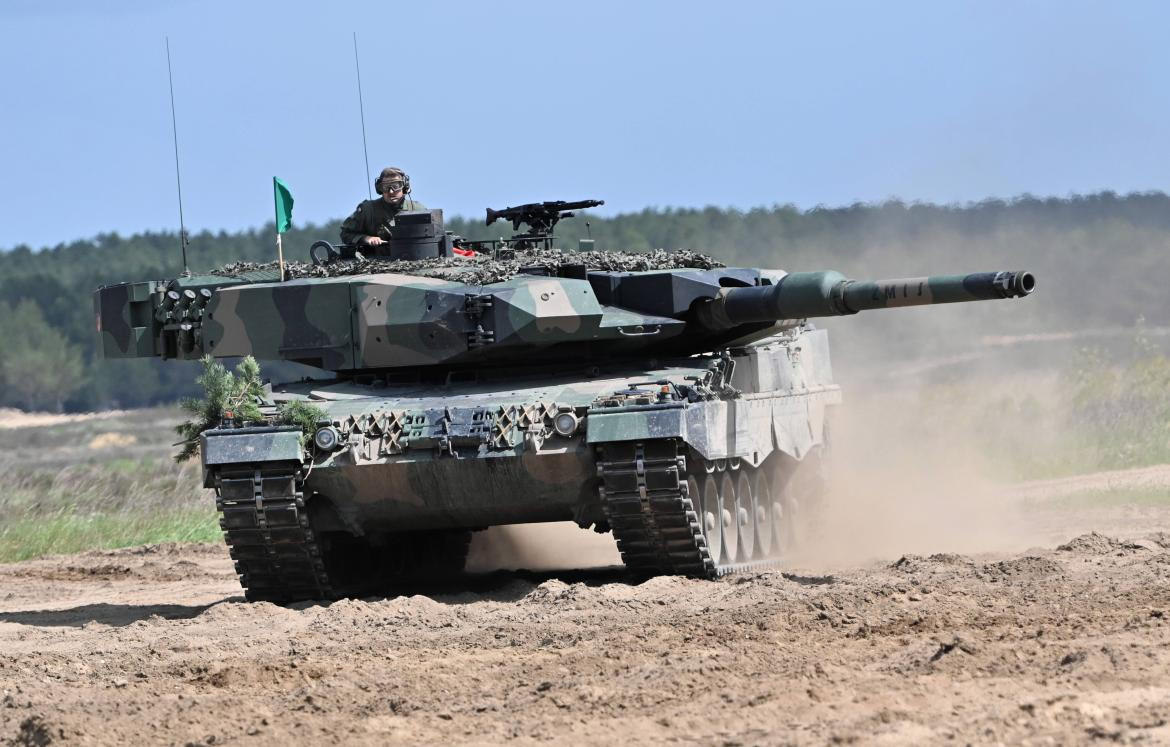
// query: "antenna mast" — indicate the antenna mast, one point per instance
point(178, 179)
point(362, 109)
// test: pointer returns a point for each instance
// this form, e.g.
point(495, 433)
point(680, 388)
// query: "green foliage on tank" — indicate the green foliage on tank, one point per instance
point(239, 393)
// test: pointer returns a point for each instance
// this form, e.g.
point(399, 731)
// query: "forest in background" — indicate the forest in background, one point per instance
point(1102, 261)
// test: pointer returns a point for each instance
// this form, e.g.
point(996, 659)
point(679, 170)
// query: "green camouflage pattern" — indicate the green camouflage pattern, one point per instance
point(461, 405)
point(386, 320)
point(470, 454)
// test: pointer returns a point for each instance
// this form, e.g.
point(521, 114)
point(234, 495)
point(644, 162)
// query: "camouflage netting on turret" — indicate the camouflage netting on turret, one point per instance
point(483, 268)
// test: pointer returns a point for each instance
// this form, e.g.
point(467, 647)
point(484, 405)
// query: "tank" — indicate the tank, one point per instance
point(677, 403)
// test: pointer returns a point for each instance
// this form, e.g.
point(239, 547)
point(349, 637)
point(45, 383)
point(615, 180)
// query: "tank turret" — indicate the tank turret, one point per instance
point(392, 320)
point(675, 402)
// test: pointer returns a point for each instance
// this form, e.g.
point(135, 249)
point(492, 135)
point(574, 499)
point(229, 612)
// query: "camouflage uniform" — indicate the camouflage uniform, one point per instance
point(374, 218)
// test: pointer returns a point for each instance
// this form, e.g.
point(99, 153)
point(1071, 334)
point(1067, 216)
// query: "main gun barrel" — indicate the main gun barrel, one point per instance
point(802, 295)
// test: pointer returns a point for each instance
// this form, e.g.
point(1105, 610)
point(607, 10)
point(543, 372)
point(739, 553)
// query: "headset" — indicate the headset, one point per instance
point(405, 186)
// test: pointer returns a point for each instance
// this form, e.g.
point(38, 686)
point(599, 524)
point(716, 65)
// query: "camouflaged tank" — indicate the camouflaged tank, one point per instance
point(675, 402)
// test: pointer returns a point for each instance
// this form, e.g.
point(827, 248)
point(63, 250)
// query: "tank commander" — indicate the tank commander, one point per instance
point(371, 222)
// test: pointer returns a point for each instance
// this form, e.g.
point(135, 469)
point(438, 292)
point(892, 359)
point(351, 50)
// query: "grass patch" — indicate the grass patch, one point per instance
point(68, 532)
point(64, 495)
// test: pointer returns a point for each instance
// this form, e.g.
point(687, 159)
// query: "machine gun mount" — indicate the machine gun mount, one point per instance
point(541, 217)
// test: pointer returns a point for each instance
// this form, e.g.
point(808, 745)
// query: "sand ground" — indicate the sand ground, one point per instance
point(1063, 643)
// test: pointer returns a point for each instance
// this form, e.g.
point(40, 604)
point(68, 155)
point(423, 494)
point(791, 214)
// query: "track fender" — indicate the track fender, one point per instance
point(248, 446)
point(636, 424)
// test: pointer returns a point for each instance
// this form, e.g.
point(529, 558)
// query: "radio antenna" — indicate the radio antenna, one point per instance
point(178, 179)
point(362, 110)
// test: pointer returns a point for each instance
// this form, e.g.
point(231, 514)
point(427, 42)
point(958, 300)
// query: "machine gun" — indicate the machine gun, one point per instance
point(541, 217)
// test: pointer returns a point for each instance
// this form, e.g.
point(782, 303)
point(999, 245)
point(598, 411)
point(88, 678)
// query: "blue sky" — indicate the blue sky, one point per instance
point(642, 104)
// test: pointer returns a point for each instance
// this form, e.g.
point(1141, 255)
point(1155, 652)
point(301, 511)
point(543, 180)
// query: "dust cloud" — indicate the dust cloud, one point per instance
point(948, 408)
point(905, 475)
point(536, 547)
point(945, 419)
point(935, 453)
point(926, 456)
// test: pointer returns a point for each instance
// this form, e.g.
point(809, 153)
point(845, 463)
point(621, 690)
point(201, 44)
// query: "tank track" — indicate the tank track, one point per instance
point(280, 558)
point(647, 501)
point(263, 517)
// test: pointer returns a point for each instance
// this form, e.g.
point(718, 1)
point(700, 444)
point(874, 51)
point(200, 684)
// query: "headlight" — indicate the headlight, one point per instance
point(325, 438)
point(566, 424)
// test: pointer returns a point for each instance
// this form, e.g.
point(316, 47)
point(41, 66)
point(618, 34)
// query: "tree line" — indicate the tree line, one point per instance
point(1102, 260)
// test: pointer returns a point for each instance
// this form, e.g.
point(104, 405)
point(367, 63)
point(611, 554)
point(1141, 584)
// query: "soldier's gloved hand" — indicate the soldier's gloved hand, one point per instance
point(373, 241)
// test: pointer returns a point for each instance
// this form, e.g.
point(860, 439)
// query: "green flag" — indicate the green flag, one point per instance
point(284, 204)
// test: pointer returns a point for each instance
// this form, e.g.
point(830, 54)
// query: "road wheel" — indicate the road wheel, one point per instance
point(729, 518)
point(762, 493)
point(711, 518)
point(745, 512)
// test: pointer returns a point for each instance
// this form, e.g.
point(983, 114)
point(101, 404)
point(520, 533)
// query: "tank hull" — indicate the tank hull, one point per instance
point(473, 455)
point(626, 448)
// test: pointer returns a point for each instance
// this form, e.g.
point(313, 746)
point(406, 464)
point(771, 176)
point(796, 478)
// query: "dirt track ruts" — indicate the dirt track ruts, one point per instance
point(1057, 645)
